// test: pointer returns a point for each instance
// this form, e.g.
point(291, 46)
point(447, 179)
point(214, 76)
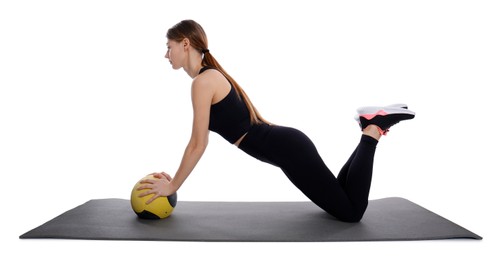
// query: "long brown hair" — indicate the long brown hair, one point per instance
point(195, 33)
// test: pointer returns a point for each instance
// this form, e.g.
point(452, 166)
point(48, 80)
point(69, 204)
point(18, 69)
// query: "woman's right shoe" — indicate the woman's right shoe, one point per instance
point(383, 117)
point(401, 105)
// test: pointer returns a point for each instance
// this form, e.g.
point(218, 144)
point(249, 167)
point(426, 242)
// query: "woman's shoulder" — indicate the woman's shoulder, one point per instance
point(210, 77)
point(209, 72)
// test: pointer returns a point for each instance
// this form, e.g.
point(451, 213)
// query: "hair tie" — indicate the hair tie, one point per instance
point(205, 50)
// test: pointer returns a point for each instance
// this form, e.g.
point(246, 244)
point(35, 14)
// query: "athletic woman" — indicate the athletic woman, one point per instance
point(221, 105)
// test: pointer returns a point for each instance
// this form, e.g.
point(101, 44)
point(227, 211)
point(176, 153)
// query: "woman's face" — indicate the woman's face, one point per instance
point(175, 53)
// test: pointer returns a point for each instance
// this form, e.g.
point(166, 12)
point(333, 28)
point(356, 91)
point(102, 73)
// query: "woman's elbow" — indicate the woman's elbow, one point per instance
point(199, 145)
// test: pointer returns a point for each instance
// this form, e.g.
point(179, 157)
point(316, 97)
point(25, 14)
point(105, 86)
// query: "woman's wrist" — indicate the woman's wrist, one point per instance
point(174, 186)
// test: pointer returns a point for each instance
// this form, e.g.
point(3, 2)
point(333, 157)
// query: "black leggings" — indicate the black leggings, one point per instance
point(345, 197)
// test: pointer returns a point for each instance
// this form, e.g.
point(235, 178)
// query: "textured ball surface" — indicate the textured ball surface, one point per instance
point(160, 208)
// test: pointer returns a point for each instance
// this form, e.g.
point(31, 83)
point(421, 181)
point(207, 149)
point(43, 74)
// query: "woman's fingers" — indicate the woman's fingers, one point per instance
point(145, 193)
point(160, 175)
point(167, 176)
point(152, 198)
point(147, 181)
point(144, 187)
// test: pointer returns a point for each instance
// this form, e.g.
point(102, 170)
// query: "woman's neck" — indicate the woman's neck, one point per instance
point(194, 65)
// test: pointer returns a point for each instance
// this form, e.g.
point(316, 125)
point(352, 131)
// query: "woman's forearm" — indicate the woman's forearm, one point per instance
point(191, 157)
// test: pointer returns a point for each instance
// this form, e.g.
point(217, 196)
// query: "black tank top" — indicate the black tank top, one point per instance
point(229, 117)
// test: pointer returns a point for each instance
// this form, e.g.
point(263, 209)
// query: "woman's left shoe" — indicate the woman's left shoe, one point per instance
point(383, 117)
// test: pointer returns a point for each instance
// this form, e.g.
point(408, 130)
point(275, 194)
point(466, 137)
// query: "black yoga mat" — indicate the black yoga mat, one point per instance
point(387, 219)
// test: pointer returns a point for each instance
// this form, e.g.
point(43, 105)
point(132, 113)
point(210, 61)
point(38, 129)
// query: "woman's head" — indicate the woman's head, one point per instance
point(186, 36)
point(189, 29)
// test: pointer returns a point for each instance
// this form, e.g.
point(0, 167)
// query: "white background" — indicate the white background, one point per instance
point(88, 105)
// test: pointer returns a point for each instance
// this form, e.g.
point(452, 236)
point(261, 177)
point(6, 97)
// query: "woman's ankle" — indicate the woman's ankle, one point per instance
point(372, 131)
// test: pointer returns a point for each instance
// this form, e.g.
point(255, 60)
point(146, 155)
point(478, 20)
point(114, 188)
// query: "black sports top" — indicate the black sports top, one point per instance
point(229, 117)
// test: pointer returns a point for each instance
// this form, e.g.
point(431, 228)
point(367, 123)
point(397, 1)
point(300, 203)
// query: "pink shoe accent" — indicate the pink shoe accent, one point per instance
point(370, 116)
point(382, 132)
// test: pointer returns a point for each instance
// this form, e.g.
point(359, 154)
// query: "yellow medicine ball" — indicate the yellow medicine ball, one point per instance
point(160, 208)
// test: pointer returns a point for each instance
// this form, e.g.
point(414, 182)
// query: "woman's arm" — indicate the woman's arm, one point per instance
point(202, 95)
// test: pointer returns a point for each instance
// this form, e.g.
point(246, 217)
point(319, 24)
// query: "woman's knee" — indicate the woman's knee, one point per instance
point(350, 217)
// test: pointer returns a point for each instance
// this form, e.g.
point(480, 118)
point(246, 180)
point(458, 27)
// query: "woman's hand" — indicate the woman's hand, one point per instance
point(160, 187)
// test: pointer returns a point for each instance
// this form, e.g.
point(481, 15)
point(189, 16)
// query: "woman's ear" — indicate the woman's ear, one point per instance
point(186, 44)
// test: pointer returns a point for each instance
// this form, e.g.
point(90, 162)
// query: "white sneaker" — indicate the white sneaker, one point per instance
point(383, 117)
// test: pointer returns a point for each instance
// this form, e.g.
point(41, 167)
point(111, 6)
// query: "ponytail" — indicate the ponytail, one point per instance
point(255, 116)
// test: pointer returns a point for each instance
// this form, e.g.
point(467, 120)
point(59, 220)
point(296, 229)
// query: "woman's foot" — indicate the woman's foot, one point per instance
point(383, 117)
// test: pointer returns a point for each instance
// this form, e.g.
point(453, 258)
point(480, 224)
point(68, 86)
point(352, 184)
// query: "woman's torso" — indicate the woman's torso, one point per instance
point(229, 116)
